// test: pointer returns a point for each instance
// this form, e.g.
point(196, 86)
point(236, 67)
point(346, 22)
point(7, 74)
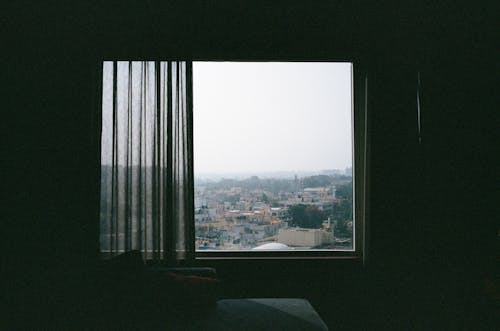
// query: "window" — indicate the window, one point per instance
point(247, 159)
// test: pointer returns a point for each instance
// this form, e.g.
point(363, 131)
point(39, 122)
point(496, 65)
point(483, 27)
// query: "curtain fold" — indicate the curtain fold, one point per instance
point(146, 159)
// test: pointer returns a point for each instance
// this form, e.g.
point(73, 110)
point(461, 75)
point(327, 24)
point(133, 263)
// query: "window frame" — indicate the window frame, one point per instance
point(360, 167)
point(359, 131)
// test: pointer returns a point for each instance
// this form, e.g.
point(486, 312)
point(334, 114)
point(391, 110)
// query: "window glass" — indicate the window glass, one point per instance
point(273, 151)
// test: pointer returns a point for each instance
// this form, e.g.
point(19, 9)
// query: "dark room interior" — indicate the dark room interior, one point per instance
point(432, 256)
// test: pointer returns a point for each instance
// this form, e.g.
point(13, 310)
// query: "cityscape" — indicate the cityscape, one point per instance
point(285, 128)
point(273, 211)
point(298, 212)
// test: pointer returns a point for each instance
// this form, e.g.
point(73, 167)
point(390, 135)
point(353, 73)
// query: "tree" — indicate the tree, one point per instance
point(253, 183)
point(344, 191)
point(297, 214)
point(306, 216)
point(343, 217)
point(341, 229)
point(232, 199)
point(342, 210)
point(265, 199)
point(317, 181)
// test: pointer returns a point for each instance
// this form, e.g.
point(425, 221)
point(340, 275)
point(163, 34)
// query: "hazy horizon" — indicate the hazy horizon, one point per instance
point(248, 117)
point(271, 174)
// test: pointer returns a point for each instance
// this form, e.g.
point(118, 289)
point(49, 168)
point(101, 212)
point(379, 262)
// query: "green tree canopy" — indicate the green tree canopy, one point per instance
point(265, 198)
point(344, 191)
point(306, 216)
point(317, 181)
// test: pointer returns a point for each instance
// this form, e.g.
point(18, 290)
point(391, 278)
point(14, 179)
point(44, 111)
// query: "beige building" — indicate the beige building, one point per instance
point(304, 237)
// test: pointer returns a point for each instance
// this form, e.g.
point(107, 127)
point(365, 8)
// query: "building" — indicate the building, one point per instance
point(304, 237)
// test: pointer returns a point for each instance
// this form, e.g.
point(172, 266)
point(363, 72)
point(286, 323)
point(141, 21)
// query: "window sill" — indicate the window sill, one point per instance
point(317, 255)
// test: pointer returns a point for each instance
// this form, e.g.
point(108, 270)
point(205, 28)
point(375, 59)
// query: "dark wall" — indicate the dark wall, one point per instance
point(431, 206)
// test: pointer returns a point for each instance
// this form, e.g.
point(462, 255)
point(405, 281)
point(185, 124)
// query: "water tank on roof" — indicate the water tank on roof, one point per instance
point(271, 246)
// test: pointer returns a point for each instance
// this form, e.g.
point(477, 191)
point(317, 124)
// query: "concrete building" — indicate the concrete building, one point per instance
point(304, 237)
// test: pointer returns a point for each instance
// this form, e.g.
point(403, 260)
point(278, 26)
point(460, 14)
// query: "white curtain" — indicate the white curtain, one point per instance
point(146, 159)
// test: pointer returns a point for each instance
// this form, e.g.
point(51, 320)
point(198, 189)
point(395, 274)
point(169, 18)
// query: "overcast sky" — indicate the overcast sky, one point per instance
point(262, 117)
